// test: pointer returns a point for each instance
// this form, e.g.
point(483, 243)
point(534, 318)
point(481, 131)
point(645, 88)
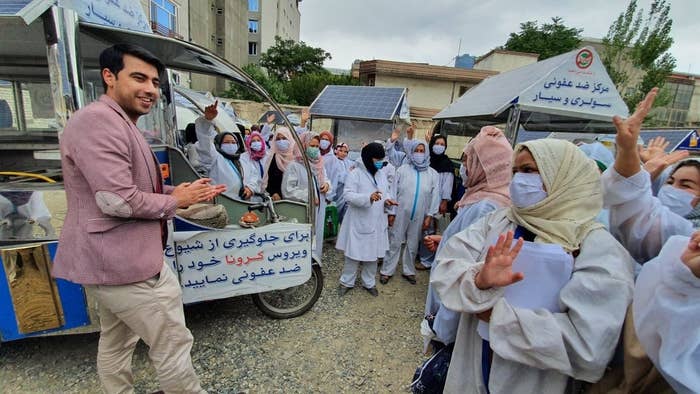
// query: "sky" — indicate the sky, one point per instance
point(430, 31)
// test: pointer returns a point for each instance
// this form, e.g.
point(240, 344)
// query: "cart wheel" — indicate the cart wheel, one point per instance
point(294, 301)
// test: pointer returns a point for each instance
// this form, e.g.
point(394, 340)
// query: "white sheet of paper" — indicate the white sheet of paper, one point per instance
point(547, 268)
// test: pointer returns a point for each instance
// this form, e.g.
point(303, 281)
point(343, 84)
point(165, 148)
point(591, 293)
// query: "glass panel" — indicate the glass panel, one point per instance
point(8, 117)
point(38, 107)
point(170, 7)
point(252, 26)
point(253, 5)
point(163, 18)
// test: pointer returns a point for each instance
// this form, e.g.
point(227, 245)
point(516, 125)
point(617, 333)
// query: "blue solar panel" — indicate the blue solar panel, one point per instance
point(357, 102)
point(12, 7)
point(674, 137)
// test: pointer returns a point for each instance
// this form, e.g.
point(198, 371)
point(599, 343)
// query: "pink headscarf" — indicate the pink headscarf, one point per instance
point(281, 158)
point(249, 139)
point(489, 168)
point(316, 164)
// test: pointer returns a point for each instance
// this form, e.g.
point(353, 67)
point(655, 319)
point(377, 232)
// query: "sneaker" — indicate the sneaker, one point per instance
point(343, 290)
point(372, 290)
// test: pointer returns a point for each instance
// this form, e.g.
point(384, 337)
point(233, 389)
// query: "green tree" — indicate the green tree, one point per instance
point(549, 40)
point(636, 51)
point(304, 88)
point(288, 58)
point(273, 86)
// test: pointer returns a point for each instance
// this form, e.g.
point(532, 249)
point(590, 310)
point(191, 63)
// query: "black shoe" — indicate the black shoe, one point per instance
point(343, 290)
point(409, 278)
point(372, 290)
point(384, 279)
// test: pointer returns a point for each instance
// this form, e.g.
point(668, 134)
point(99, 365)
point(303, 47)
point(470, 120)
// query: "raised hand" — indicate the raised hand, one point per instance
point(658, 164)
point(655, 148)
point(691, 254)
point(428, 135)
point(210, 111)
point(304, 116)
point(497, 270)
point(627, 159)
point(271, 118)
point(395, 134)
point(411, 131)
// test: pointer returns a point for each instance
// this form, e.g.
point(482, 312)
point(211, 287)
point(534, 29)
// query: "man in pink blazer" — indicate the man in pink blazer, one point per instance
point(112, 238)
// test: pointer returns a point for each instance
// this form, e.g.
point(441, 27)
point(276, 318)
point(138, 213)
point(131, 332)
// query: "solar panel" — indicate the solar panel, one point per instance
point(12, 7)
point(674, 137)
point(358, 102)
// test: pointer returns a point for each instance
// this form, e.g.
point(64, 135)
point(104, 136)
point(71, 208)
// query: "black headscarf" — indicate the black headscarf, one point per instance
point(217, 144)
point(440, 163)
point(371, 151)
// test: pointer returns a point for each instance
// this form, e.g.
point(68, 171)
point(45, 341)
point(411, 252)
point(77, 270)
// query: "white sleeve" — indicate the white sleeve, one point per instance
point(251, 173)
point(434, 195)
point(637, 219)
point(293, 186)
point(352, 193)
point(580, 341)
point(205, 142)
point(667, 316)
point(446, 181)
point(393, 154)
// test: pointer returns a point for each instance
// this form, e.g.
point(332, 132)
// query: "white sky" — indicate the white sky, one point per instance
point(430, 31)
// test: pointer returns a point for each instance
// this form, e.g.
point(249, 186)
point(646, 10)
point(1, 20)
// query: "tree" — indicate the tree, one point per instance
point(273, 86)
point(288, 58)
point(636, 51)
point(549, 40)
point(304, 88)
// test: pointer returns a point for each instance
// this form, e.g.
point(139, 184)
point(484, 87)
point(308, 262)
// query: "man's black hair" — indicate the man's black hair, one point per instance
point(112, 59)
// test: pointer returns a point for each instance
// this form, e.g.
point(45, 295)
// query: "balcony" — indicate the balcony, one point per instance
point(164, 30)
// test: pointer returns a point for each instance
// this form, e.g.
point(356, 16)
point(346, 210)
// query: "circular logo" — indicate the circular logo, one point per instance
point(584, 58)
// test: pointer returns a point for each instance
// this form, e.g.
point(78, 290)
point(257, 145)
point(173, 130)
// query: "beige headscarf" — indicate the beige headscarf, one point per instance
point(574, 194)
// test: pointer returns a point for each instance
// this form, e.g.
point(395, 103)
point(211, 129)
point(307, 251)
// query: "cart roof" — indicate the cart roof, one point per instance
point(564, 89)
point(359, 102)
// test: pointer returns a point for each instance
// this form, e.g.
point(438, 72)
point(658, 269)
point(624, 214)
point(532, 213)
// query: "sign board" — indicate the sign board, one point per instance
point(124, 14)
point(690, 143)
point(579, 84)
point(227, 263)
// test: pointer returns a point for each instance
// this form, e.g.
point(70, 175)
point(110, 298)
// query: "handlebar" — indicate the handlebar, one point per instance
point(267, 203)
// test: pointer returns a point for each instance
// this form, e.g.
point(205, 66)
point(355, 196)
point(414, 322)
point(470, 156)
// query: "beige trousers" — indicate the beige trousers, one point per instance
point(150, 310)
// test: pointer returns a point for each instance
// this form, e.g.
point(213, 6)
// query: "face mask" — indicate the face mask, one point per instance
point(325, 144)
point(312, 152)
point(282, 145)
point(256, 146)
point(677, 200)
point(463, 174)
point(438, 149)
point(526, 189)
point(418, 157)
point(379, 165)
point(229, 149)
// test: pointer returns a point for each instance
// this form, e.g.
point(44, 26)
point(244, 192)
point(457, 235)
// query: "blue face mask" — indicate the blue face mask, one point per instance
point(379, 165)
point(325, 144)
point(229, 149)
point(282, 145)
point(438, 149)
point(526, 189)
point(418, 157)
point(256, 146)
point(313, 152)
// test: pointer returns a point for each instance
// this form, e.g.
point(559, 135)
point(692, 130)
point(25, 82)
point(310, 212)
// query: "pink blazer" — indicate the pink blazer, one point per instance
point(112, 231)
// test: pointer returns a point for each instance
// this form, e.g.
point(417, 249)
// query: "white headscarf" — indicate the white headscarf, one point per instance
point(574, 194)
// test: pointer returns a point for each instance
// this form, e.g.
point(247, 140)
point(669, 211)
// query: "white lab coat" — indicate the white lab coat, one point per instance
point(446, 321)
point(363, 235)
point(336, 174)
point(637, 219)
point(667, 316)
point(417, 198)
point(534, 351)
point(220, 169)
point(254, 171)
point(295, 186)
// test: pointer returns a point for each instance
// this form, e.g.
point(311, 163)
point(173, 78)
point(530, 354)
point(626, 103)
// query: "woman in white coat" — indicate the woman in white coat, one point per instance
point(418, 203)
point(295, 185)
point(541, 333)
point(219, 155)
point(254, 160)
point(363, 236)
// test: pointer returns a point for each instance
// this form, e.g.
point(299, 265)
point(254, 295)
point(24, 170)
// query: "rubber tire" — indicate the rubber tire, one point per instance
point(276, 313)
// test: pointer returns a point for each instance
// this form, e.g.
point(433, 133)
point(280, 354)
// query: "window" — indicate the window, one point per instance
point(253, 5)
point(164, 17)
point(252, 48)
point(253, 25)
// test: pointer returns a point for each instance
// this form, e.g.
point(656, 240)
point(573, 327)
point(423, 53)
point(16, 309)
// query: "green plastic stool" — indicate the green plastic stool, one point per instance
point(330, 228)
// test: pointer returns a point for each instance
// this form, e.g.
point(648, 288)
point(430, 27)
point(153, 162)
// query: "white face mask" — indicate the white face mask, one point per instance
point(230, 149)
point(526, 189)
point(438, 149)
point(418, 157)
point(256, 146)
point(325, 144)
point(677, 200)
point(463, 174)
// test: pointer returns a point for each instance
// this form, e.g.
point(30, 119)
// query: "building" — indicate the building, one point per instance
point(270, 18)
point(430, 88)
point(683, 108)
point(501, 60)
